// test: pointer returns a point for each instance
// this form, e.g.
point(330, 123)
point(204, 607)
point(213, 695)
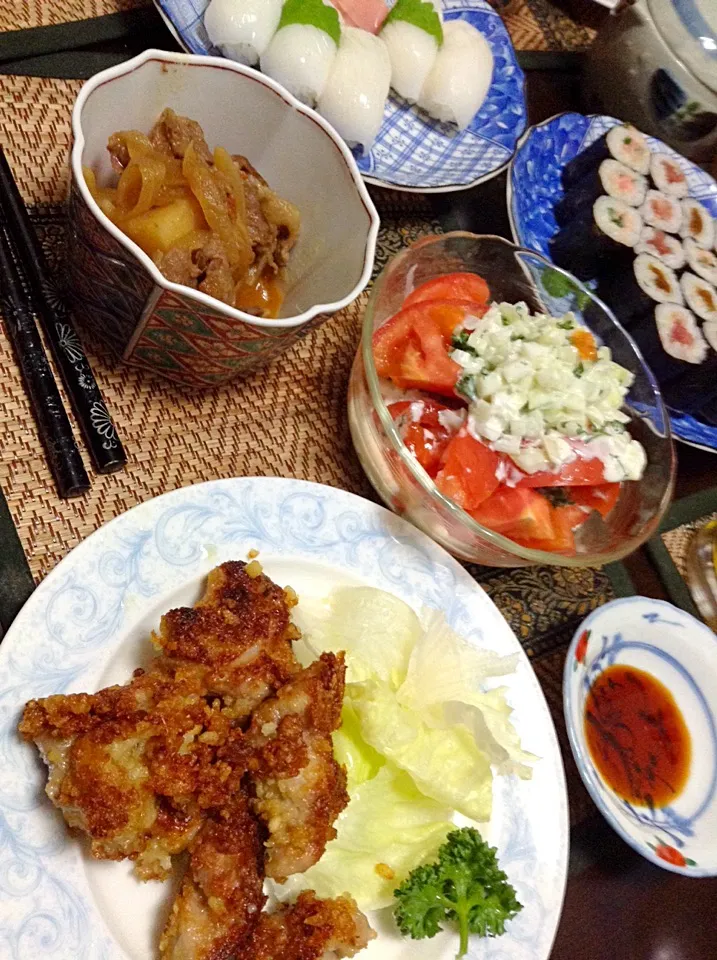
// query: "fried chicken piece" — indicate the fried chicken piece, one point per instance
point(239, 636)
point(299, 788)
point(134, 766)
point(311, 929)
point(221, 896)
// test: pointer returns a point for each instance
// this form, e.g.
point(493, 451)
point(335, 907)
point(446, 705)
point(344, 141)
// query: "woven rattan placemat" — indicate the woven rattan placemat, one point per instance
point(287, 420)
point(533, 24)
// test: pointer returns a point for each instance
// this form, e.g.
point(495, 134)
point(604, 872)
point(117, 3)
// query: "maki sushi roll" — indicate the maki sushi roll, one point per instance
point(663, 246)
point(662, 212)
point(687, 367)
point(623, 143)
point(697, 224)
point(611, 178)
point(679, 334)
point(700, 296)
point(667, 175)
point(702, 262)
point(709, 330)
point(606, 232)
point(635, 292)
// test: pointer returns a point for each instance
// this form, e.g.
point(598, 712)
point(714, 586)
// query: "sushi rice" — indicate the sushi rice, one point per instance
point(709, 329)
point(662, 212)
point(303, 49)
point(663, 246)
point(412, 49)
point(630, 147)
point(697, 223)
point(700, 296)
point(668, 176)
point(460, 78)
point(242, 29)
point(656, 279)
point(679, 334)
point(702, 262)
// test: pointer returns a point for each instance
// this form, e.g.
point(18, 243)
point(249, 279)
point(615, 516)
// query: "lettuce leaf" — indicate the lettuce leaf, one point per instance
point(445, 764)
point(361, 761)
point(388, 828)
point(376, 630)
point(445, 681)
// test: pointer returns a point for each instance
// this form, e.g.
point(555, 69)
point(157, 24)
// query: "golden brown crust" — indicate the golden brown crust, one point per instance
point(221, 895)
point(300, 789)
point(311, 929)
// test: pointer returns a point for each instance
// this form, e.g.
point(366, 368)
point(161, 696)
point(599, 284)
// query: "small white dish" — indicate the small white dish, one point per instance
point(680, 652)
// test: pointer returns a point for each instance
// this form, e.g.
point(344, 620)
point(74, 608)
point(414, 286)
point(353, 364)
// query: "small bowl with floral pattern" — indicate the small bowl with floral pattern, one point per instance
point(174, 330)
point(623, 658)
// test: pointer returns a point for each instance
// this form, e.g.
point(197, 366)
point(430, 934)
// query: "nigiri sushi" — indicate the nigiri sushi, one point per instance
point(413, 33)
point(242, 29)
point(365, 14)
point(355, 95)
point(457, 85)
point(303, 49)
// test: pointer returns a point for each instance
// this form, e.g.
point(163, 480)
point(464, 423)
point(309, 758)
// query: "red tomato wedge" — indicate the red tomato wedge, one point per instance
point(564, 520)
point(412, 347)
point(467, 287)
point(425, 437)
point(601, 498)
point(578, 473)
point(517, 513)
point(468, 474)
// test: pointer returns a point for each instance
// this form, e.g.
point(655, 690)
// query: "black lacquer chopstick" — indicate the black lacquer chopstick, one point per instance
point(53, 425)
point(90, 410)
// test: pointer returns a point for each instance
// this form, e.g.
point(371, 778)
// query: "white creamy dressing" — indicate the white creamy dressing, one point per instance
point(531, 396)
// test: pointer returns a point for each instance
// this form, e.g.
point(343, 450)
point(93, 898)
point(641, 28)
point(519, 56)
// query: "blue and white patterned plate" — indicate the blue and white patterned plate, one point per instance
point(413, 152)
point(681, 652)
point(534, 187)
point(87, 626)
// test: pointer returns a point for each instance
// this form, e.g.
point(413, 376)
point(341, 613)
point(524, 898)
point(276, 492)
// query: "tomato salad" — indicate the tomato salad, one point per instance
point(517, 417)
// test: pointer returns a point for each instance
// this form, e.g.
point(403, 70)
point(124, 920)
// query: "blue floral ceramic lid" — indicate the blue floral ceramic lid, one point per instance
point(689, 27)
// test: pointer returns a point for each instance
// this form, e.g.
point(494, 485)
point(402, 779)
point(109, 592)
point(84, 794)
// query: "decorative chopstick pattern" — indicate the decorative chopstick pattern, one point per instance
point(53, 425)
point(90, 410)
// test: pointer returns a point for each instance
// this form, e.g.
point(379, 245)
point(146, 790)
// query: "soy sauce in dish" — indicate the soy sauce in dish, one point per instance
point(637, 736)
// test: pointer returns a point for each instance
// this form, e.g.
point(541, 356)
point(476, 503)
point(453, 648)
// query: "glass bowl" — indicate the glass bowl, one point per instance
point(513, 274)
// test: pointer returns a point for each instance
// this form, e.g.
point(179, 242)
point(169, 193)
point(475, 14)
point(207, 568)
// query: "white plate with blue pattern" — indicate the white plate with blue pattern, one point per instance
point(87, 626)
point(534, 187)
point(413, 152)
point(680, 652)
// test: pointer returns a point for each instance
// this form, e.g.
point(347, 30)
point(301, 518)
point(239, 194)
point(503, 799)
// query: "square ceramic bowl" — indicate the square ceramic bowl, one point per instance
point(173, 330)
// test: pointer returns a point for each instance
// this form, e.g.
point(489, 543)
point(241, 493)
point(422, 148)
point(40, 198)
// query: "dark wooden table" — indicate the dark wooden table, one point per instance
point(618, 906)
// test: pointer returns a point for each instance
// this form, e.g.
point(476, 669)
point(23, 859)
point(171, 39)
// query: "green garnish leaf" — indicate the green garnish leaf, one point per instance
point(566, 324)
point(465, 884)
point(421, 13)
point(313, 13)
point(556, 284)
point(467, 387)
point(459, 341)
point(579, 370)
